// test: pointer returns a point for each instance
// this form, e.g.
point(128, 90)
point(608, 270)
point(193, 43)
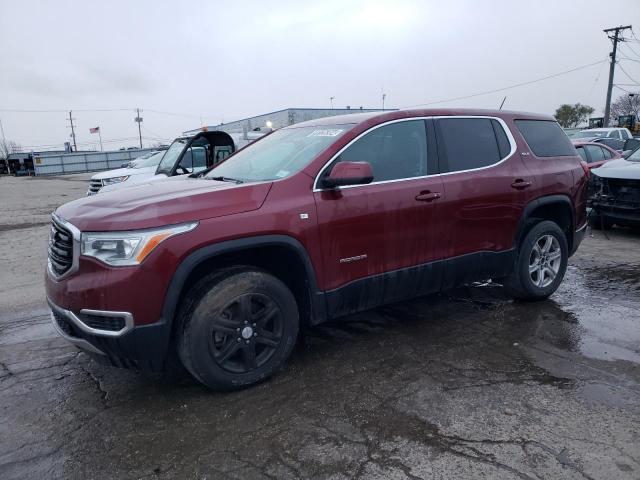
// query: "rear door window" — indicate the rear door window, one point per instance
point(595, 152)
point(583, 153)
point(470, 143)
point(607, 153)
point(545, 138)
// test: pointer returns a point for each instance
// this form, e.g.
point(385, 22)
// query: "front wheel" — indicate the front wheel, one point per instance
point(541, 263)
point(237, 328)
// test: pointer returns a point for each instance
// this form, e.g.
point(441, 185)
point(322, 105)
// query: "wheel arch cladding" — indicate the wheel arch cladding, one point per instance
point(557, 208)
point(281, 255)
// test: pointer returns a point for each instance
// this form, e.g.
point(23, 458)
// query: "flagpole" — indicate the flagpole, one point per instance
point(100, 137)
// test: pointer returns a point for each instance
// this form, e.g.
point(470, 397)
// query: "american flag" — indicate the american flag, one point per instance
point(94, 130)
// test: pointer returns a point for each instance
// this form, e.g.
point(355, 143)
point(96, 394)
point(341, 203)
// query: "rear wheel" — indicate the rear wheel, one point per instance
point(237, 328)
point(541, 263)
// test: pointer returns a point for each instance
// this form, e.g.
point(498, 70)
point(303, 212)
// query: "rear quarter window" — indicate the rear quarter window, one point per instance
point(545, 138)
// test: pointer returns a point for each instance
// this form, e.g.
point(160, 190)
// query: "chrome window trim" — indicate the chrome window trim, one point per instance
point(73, 318)
point(507, 131)
point(75, 261)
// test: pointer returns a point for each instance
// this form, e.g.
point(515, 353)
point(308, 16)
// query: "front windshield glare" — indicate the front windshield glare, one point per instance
point(282, 153)
point(172, 154)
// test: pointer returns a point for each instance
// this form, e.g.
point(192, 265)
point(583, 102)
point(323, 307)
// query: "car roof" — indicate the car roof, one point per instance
point(382, 116)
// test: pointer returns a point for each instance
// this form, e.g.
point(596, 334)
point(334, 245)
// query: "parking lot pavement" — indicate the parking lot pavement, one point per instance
point(466, 384)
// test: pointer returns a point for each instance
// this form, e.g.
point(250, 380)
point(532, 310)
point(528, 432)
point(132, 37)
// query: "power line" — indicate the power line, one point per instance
point(628, 76)
point(174, 114)
point(629, 47)
point(623, 89)
point(522, 84)
point(16, 110)
point(595, 82)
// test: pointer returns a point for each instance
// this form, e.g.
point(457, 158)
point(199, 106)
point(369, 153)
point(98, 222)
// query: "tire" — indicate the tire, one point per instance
point(543, 241)
point(237, 327)
point(600, 222)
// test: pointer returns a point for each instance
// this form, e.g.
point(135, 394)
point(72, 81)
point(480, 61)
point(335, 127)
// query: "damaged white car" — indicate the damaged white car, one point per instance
point(615, 193)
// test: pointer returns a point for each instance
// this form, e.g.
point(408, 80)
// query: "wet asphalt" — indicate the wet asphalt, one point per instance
point(466, 384)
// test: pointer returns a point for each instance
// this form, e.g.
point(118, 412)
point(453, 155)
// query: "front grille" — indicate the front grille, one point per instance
point(101, 322)
point(64, 324)
point(94, 186)
point(60, 249)
point(622, 191)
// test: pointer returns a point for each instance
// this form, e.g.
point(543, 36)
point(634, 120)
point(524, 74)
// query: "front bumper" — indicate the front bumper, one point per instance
point(624, 214)
point(140, 348)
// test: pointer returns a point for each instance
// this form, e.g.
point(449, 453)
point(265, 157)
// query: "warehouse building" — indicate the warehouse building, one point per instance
point(279, 119)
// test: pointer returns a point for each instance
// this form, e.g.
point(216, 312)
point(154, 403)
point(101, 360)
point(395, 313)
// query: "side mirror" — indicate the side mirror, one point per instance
point(349, 173)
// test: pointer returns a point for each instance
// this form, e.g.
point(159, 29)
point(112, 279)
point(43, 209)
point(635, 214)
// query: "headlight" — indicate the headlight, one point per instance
point(128, 248)
point(112, 180)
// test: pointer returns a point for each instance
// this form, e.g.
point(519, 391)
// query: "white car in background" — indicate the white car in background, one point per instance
point(189, 155)
point(140, 170)
point(612, 137)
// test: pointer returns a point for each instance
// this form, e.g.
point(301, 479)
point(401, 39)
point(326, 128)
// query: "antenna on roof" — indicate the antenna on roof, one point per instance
point(503, 100)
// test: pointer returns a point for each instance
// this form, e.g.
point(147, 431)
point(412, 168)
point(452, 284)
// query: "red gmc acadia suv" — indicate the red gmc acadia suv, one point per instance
point(313, 222)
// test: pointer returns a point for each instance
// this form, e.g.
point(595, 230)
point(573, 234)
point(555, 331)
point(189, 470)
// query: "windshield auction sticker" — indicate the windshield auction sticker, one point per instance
point(334, 132)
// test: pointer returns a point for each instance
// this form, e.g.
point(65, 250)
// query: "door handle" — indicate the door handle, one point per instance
point(520, 184)
point(427, 196)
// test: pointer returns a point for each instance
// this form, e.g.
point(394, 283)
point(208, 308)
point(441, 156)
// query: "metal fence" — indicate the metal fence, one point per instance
point(84, 162)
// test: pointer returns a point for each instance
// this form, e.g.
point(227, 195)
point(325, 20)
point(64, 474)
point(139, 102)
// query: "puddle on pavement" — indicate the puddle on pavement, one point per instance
point(606, 305)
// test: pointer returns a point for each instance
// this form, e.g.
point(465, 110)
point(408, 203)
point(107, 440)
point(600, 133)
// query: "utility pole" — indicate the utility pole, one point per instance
point(138, 120)
point(73, 132)
point(612, 67)
point(384, 96)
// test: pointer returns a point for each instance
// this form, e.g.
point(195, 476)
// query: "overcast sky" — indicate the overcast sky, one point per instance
point(227, 60)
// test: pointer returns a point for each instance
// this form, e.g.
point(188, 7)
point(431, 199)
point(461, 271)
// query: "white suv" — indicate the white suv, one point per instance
point(139, 170)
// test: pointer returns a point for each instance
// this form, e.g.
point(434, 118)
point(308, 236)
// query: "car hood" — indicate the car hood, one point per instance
point(163, 203)
point(122, 172)
point(619, 168)
point(146, 178)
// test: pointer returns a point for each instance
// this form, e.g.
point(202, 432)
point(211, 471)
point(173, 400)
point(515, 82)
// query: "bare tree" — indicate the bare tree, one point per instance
point(7, 147)
point(627, 104)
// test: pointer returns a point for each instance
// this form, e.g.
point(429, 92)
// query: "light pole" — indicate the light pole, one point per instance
point(331, 101)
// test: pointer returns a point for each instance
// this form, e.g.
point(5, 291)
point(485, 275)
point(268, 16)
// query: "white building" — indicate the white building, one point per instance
point(279, 119)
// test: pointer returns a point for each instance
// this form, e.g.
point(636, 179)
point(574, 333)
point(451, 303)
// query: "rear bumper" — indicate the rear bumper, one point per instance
point(141, 348)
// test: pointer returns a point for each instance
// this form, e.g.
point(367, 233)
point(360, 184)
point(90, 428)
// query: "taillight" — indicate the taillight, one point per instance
point(585, 167)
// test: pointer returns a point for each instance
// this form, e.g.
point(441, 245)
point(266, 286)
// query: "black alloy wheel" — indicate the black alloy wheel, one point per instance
point(246, 333)
point(236, 327)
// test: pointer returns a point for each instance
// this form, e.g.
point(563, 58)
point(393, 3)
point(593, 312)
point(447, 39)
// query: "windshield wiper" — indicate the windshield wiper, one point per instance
point(226, 179)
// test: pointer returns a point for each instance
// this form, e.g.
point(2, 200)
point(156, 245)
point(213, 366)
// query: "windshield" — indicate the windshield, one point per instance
point(590, 134)
point(171, 155)
point(635, 156)
point(152, 161)
point(280, 154)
